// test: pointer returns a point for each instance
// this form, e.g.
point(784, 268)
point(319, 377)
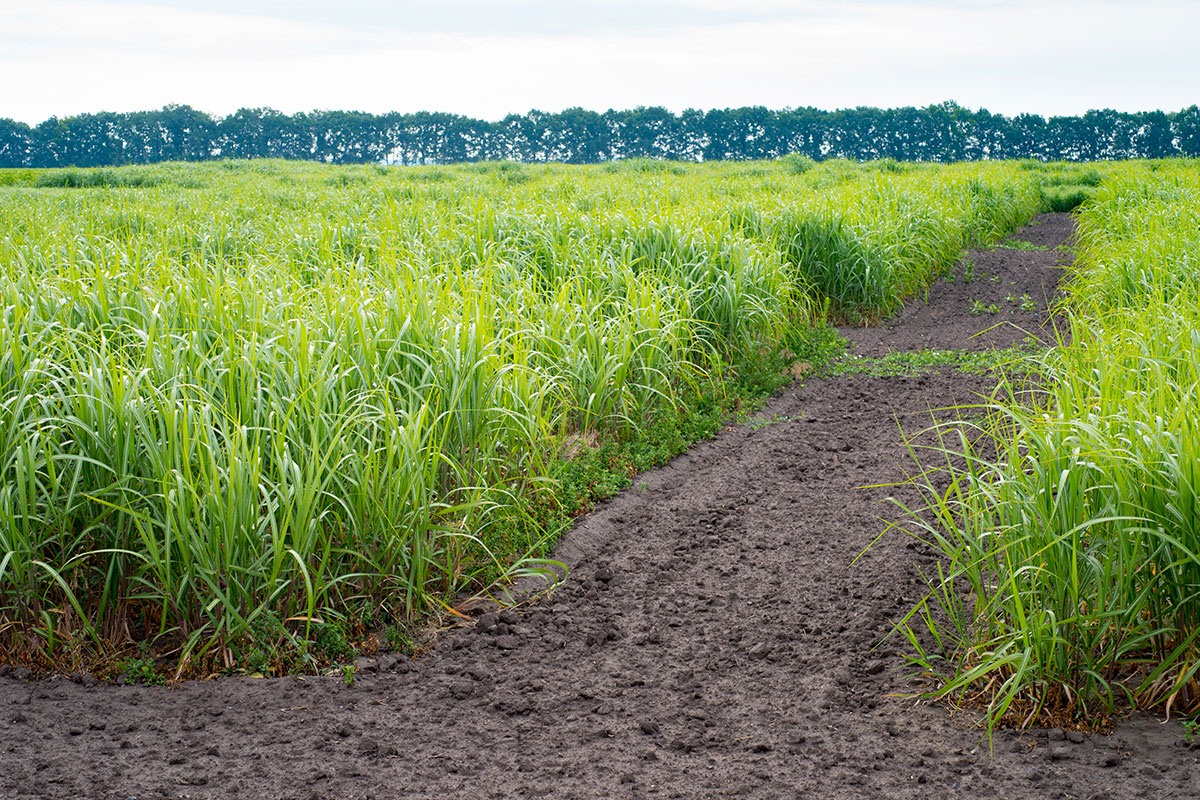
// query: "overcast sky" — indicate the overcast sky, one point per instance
point(486, 59)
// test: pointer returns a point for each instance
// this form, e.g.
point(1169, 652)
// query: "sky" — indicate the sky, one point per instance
point(487, 59)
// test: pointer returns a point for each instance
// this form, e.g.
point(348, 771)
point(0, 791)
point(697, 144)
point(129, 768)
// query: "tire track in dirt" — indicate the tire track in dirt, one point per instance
point(716, 638)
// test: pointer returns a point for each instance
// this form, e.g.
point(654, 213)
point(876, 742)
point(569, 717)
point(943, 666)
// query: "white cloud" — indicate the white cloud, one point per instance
point(58, 26)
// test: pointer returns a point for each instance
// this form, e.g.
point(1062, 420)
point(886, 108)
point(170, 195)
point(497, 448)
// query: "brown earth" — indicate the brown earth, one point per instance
point(1002, 278)
point(714, 639)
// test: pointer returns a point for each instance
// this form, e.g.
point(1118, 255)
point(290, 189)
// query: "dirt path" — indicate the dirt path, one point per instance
point(713, 641)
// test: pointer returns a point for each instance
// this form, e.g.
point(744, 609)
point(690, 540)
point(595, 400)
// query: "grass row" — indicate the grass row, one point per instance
point(1070, 588)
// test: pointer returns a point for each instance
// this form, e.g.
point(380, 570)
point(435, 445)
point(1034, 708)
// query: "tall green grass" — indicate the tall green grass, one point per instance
point(1070, 588)
point(235, 397)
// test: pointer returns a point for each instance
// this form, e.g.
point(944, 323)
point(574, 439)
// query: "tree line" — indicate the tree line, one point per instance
point(942, 132)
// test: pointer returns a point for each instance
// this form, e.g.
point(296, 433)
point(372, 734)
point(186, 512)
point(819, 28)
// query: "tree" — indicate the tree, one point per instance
point(742, 133)
point(1185, 129)
point(1152, 137)
point(19, 145)
point(940, 132)
point(262, 133)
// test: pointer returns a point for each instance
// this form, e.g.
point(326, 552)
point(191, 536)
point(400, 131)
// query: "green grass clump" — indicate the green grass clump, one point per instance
point(1065, 198)
point(140, 670)
point(1067, 186)
point(91, 179)
point(1070, 589)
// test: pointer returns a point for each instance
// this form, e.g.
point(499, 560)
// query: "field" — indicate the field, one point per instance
point(242, 400)
point(264, 418)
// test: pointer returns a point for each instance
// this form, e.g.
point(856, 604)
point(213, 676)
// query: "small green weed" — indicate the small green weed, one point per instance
point(1024, 302)
point(758, 422)
point(1191, 731)
point(140, 670)
point(1019, 244)
point(348, 674)
point(978, 308)
point(399, 640)
point(968, 273)
point(330, 643)
point(817, 344)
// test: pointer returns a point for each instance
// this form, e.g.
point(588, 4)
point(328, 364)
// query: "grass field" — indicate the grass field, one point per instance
point(1074, 528)
point(252, 412)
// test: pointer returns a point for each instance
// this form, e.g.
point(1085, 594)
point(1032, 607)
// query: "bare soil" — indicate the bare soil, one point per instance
point(716, 638)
